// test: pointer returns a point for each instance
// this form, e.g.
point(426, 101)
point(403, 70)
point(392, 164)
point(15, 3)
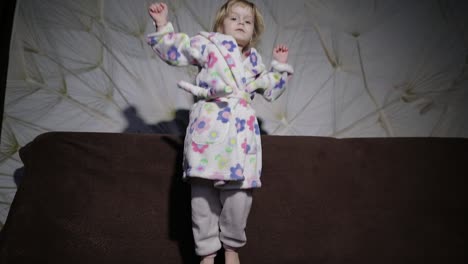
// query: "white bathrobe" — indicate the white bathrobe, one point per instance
point(223, 137)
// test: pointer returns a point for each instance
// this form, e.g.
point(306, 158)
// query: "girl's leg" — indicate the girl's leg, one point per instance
point(206, 208)
point(231, 256)
point(208, 259)
point(233, 220)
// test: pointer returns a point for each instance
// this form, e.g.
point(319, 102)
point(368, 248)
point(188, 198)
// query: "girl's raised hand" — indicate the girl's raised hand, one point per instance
point(280, 53)
point(158, 12)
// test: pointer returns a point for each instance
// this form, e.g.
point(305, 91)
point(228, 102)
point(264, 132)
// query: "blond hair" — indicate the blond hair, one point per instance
point(223, 12)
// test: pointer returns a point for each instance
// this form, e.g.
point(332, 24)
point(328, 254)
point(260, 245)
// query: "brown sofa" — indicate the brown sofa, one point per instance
point(119, 198)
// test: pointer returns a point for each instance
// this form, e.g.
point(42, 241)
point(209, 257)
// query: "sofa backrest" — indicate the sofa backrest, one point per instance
point(119, 198)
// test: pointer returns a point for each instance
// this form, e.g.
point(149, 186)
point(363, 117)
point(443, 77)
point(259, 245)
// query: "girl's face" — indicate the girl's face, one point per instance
point(239, 23)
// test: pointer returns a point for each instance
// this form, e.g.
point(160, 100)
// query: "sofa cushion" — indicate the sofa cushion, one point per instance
point(119, 198)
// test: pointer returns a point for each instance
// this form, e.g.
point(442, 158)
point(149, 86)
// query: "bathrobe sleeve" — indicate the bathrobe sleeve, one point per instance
point(176, 49)
point(271, 84)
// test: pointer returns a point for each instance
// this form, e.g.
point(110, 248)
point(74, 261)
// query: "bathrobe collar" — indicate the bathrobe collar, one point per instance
point(228, 48)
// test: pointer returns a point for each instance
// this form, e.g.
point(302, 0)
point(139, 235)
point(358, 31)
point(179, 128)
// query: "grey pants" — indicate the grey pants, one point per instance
point(218, 216)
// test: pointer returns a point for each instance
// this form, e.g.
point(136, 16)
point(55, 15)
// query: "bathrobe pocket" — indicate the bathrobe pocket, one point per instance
point(210, 123)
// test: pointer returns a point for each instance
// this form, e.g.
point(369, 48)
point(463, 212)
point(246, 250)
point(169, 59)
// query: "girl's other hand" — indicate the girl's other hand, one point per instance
point(158, 12)
point(280, 53)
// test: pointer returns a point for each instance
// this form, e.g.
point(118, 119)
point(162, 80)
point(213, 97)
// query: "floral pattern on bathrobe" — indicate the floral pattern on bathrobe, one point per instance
point(223, 136)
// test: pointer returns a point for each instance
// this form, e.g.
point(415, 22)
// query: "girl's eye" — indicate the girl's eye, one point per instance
point(248, 22)
point(233, 18)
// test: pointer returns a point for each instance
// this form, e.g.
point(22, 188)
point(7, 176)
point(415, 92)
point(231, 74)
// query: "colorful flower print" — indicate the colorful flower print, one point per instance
point(246, 97)
point(203, 47)
point(232, 142)
point(229, 45)
point(245, 146)
point(214, 82)
point(257, 129)
point(224, 115)
point(215, 75)
point(211, 92)
point(228, 73)
point(194, 41)
point(237, 172)
point(213, 135)
point(240, 125)
point(251, 123)
point(244, 80)
point(170, 36)
point(152, 41)
point(204, 84)
point(173, 54)
point(212, 59)
point(253, 59)
point(228, 149)
point(223, 162)
point(209, 108)
point(200, 168)
point(243, 102)
point(230, 61)
point(280, 84)
point(200, 148)
point(254, 184)
point(202, 124)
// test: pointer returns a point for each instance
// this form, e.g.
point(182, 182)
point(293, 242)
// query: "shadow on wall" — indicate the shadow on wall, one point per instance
point(177, 126)
point(135, 124)
point(18, 175)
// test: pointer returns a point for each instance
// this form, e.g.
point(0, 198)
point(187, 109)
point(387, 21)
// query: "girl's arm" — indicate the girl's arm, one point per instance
point(158, 12)
point(176, 49)
point(272, 84)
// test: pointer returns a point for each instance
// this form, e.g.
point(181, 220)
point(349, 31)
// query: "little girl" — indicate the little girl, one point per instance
point(222, 149)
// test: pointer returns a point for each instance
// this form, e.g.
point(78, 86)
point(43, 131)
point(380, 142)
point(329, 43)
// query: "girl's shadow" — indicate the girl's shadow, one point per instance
point(180, 223)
